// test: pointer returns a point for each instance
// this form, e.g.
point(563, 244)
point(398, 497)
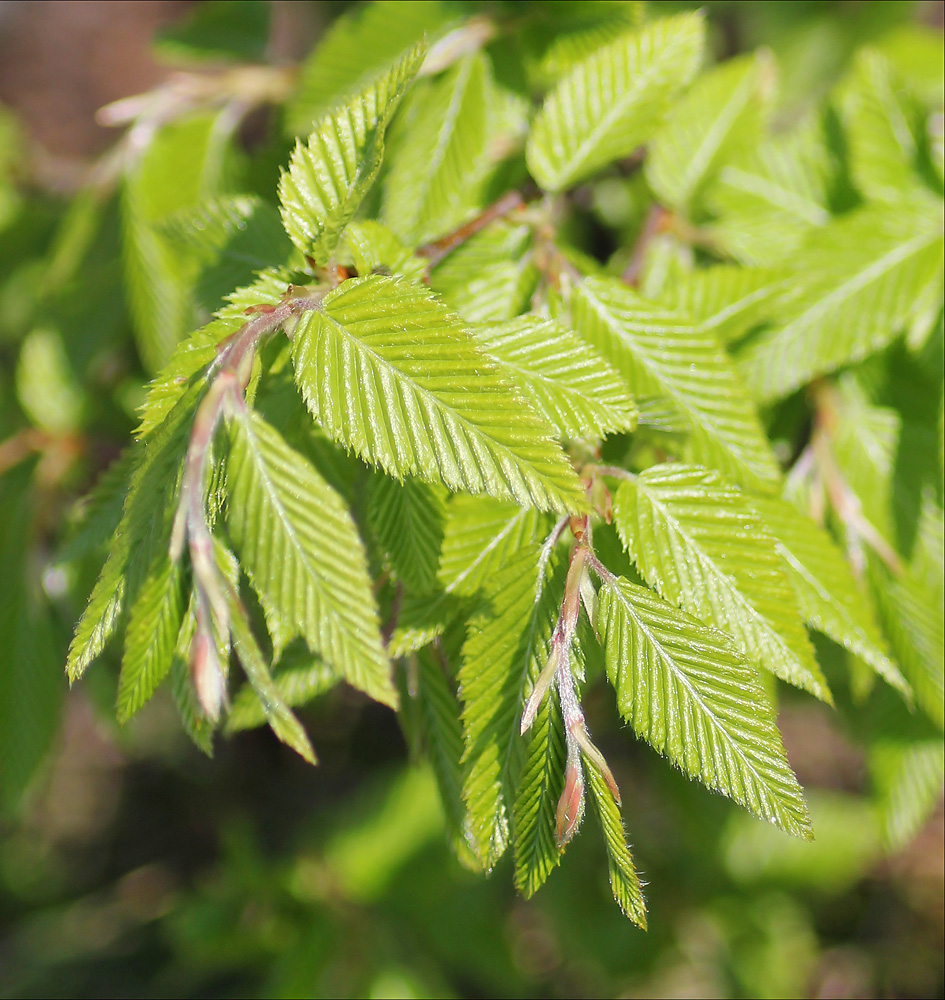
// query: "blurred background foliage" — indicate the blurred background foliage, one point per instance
point(132, 865)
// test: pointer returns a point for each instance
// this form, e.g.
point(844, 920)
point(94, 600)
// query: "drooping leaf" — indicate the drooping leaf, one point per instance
point(864, 278)
point(573, 387)
point(407, 520)
point(280, 717)
point(728, 300)
point(688, 692)
point(533, 818)
point(330, 174)
point(720, 117)
point(303, 554)
point(144, 531)
point(507, 646)
point(909, 777)
point(154, 623)
point(434, 181)
point(358, 47)
point(613, 101)
point(661, 353)
point(624, 881)
point(701, 545)
point(829, 597)
point(298, 678)
point(387, 370)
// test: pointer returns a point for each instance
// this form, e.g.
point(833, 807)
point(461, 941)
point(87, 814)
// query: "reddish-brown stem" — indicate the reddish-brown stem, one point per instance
point(436, 251)
point(653, 224)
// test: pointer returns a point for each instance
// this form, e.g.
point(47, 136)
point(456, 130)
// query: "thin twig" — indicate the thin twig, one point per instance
point(653, 224)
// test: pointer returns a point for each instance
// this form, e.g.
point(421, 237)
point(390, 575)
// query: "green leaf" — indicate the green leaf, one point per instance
point(661, 353)
point(223, 29)
point(701, 545)
point(863, 279)
point(434, 182)
point(387, 370)
point(144, 531)
point(441, 733)
point(185, 163)
point(197, 726)
point(507, 646)
point(374, 248)
point(480, 535)
point(613, 101)
point(770, 200)
point(154, 624)
point(301, 549)
point(727, 300)
point(192, 356)
point(881, 124)
point(359, 46)
point(533, 818)
point(687, 691)
point(231, 239)
point(407, 521)
point(909, 779)
point(624, 881)
point(572, 386)
point(722, 115)
point(280, 717)
point(330, 174)
point(829, 597)
point(298, 678)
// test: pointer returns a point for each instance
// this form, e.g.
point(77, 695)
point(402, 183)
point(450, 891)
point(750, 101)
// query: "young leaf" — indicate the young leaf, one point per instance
point(279, 716)
point(507, 646)
point(661, 353)
point(358, 47)
point(433, 183)
point(722, 115)
point(533, 818)
point(330, 175)
point(864, 278)
point(699, 543)
point(727, 300)
point(298, 679)
point(829, 597)
point(303, 555)
point(613, 101)
point(624, 881)
point(154, 623)
point(480, 534)
point(686, 690)
point(144, 531)
point(407, 520)
point(574, 389)
point(387, 370)
point(909, 777)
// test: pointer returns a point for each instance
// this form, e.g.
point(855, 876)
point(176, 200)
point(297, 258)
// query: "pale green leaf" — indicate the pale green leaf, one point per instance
point(374, 248)
point(144, 530)
point(507, 646)
point(298, 678)
point(434, 182)
point(572, 386)
point(301, 549)
point(624, 881)
point(863, 278)
point(154, 623)
point(909, 778)
point(662, 353)
point(330, 174)
point(613, 101)
point(387, 370)
point(358, 47)
point(881, 124)
point(721, 116)
point(687, 691)
point(533, 818)
point(407, 521)
point(728, 300)
point(499, 291)
point(280, 717)
point(830, 599)
point(701, 545)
